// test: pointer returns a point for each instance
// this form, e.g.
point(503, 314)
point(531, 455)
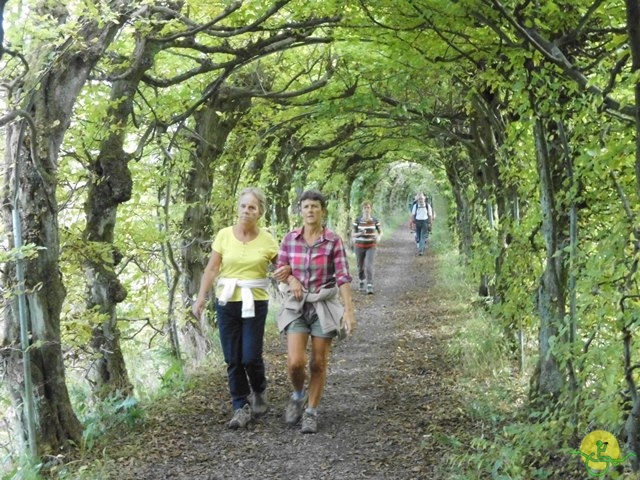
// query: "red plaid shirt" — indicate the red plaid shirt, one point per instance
point(323, 265)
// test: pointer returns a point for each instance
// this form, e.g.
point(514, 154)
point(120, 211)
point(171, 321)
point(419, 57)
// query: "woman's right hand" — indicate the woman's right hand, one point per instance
point(197, 308)
point(349, 321)
point(281, 274)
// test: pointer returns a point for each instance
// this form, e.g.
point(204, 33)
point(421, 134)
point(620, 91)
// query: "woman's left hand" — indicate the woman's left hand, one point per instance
point(349, 321)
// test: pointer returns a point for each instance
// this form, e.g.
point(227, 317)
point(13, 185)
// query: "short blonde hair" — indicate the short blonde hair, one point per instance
point(366, 203)
point(258, 194)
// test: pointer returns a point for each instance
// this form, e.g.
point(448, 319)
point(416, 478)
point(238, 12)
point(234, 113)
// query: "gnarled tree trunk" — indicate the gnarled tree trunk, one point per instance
point(110, 185)
point(33, 156)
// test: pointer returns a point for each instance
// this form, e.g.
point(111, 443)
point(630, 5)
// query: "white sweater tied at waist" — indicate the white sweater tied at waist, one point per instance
point(229, 286)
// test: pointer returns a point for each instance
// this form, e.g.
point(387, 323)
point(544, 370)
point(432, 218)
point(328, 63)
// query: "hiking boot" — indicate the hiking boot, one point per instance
point(369, 289)
point(361, 287)
point(309, 422)
point(294, 410)
point(241, 417)
point(259, 405)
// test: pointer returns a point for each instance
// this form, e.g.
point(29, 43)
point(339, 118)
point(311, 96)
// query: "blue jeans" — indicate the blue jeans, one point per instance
point(242, 341)
point(422, 231)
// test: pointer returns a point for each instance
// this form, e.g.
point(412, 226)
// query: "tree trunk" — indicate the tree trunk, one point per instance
point(464, 212)
point(551, 301)
point(282, 184)
point(214, 123)
point(280, 170)
point(110, 185)
point(33, 156)
point(632, 425)
point(487, 129)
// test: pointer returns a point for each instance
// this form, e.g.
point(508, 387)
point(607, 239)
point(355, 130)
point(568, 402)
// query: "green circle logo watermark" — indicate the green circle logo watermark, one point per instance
point(600, 451)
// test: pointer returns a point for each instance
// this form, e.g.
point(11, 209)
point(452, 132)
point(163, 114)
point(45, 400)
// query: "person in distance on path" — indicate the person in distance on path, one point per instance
point(432, 214)
point(422, 217)
point(239, 261)
point(312, 308)
point(367, 233)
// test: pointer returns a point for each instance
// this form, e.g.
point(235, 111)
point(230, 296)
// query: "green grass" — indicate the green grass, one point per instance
point(487, 381)
point(508, 439)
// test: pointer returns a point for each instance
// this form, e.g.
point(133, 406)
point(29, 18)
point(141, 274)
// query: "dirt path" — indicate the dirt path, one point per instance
point(387, 406)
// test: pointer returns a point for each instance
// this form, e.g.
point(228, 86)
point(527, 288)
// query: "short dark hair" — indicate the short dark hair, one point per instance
point(314, 195)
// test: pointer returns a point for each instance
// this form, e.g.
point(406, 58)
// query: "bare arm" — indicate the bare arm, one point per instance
point(208, 277)
point(349, 315)
point(281, 274)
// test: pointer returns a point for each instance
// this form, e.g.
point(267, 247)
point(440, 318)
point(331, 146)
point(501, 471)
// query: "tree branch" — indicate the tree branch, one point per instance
point(551, 52)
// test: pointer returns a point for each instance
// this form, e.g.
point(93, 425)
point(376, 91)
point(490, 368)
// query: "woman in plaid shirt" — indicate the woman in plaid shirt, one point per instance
point(319, 276)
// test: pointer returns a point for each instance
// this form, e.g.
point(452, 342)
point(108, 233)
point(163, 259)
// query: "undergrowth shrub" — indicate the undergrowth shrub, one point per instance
point(509, 438)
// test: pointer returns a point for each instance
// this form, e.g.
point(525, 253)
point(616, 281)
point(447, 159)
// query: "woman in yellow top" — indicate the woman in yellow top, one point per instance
point(239, 262)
